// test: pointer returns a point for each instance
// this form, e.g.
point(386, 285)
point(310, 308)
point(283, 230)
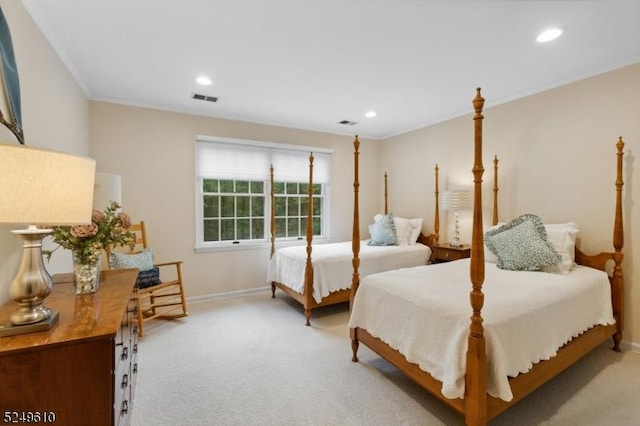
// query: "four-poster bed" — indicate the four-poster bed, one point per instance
point(321, 275)
point(483, 366)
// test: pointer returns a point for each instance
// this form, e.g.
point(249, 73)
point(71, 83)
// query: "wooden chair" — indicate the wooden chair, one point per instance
point(164, 300)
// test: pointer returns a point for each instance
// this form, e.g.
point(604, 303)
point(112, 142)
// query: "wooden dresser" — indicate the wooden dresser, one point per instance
point(82, 371)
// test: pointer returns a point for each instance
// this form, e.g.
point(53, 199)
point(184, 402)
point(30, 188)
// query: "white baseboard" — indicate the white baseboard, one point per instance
point(630, 346)
point(226, 295)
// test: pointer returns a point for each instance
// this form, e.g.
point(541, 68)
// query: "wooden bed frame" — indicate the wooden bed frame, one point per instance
point(306, 297)
point(477, 406)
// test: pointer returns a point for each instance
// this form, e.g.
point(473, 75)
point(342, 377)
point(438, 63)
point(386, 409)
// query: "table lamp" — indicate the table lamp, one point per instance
point(40, 188)
point(107, 188)
point(455, 201)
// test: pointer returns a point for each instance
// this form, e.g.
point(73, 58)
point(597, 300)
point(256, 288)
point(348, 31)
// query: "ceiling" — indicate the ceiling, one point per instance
point(309, 64)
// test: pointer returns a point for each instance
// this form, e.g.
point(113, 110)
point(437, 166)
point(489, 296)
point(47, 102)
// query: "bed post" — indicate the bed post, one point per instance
point(617, 287)
point(355, 236)
point(273, 216)
point(273, 227)
point(386, 203)
point(495, 191)
point(308, 269)
point(436, 216)
point(476, 372)
point(355, 243)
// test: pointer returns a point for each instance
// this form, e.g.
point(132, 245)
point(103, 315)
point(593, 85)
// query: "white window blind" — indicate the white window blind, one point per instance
point(239, 159)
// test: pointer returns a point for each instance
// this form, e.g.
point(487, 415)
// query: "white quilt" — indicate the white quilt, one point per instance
point(424, 313)
point(332, 267)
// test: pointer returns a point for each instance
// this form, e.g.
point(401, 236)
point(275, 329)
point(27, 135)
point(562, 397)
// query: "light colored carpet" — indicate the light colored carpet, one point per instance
point(251, 361)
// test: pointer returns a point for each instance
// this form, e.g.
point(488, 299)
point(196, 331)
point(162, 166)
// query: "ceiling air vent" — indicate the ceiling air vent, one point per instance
point(347, 123)
point(204, 97)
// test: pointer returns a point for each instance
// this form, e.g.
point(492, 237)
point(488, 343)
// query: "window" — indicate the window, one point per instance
point(291, 205)
point(233, 203)
point(233, 210)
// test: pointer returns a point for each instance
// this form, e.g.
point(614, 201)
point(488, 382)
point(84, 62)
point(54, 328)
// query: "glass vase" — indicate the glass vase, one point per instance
point(86, 274)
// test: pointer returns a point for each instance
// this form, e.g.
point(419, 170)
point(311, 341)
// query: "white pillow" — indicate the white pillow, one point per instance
point(565, 234)
point(563, 237)
point(403, 229)
point(414, 232)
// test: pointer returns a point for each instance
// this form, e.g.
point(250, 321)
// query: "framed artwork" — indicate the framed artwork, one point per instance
point(12, 118)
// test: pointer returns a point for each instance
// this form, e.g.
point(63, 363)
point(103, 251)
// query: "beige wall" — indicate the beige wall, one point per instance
point(557, 157)
point(154, 152)
point(55, 115)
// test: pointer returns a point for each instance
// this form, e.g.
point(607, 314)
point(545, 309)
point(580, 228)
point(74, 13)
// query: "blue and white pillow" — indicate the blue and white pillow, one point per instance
point(142, 261)
point(521, 245)
point(383, 232)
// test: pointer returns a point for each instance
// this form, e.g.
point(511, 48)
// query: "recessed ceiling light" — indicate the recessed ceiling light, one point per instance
point(205, 81)
point(370, 114)
point(548, 35)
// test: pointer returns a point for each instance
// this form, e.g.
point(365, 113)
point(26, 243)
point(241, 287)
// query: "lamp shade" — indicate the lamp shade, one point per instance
point(42, 187)
point(107, 188)
point(456, 200)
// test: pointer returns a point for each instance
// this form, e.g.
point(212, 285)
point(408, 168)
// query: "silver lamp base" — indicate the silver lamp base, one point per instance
point(456, 236)
point(9, 329)
point(31, 285)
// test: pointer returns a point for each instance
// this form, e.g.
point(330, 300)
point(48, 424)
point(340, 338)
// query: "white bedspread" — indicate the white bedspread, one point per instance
point(332, 268)
point(424, 313)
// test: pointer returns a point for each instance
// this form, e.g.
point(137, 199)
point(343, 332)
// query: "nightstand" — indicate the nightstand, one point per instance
point(445, 252)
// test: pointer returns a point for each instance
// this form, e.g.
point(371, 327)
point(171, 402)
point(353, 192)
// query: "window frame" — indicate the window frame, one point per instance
point(246, 196)
point(302, 215)
point(204, 246)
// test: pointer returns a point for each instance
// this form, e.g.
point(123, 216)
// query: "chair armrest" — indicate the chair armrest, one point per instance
point(178, 262)
point(176, 267)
